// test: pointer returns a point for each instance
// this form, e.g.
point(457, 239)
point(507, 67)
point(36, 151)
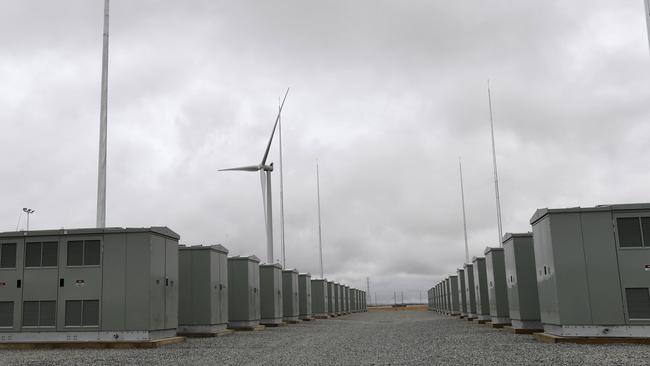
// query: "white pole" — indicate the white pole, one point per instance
point(462, 196)
point(320, 232)
point(284, 258)
point(101, 179)
point(647, 17)
point(269, 221)
point(494, 163)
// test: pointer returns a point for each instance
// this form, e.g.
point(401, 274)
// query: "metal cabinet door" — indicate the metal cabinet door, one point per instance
point(256, 297)
point(157, 283)
point(11, 286)
point(171, 284)
point(41, 282)
point(215, 288)
point(80, 283)
point(277, 273)
point(223, 280)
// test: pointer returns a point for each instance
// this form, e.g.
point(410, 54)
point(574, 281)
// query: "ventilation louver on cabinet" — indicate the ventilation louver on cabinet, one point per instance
point(6, 314)
point(638, 303)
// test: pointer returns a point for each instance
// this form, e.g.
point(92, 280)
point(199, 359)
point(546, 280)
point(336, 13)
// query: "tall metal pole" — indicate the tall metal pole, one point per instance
point(647, 17)
point(462, 196)
point(284, 258)
point(320, 232)
point(101, 179)
point(494, 163)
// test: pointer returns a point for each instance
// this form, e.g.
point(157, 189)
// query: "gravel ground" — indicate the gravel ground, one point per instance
point(389, 338)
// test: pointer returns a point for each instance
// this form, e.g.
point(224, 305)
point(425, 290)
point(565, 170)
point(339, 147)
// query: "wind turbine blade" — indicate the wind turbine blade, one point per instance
point(252, 168)
point(268, 146)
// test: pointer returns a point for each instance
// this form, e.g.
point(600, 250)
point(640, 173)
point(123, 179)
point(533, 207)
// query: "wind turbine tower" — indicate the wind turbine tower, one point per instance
point(265, 179)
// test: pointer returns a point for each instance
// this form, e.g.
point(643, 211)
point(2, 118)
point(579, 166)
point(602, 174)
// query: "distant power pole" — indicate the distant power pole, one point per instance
point(320, 232)
point(462, 197)
point(420, 302)
point(376, 301)
point(395, 297)
point(494, 164)
point(402, 297)
point(368, 285)
point(101, 174)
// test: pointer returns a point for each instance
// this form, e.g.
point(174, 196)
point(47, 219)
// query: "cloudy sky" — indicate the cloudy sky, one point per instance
point(386, 95)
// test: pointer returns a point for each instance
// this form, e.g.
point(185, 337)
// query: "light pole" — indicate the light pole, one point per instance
point(101, 170)
point(28, 211)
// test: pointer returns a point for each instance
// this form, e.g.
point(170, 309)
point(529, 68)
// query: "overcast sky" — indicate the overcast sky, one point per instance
point(386, 95)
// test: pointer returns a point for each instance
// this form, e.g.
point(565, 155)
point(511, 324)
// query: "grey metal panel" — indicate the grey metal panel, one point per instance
point(243, 289)
point(469, 288)
point(79, 282)
point(337, 298)
point(496, 278)
point(331, 304)
point(291, 300)
point(480, 286)
point(304, 291)
point(462, 302)
point(138, 281)
point(196, 295)
point(203, 285)
point(546, 281)
point(605, 296)
point(319, 296)
point(223, 288)
point(114, 284)
point(171, 282)
point(569, 263)
point(521, 279)
point(271, 292)
point(453, 294)
point(40, 283)
point(157, 283)
point(9, 290)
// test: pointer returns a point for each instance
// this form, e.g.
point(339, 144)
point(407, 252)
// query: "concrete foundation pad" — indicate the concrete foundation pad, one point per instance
point(307, 319)
point(254, 328)
point(521, 330)
point(293, 321)
point(499, 325)
point(220, 333)
point(549, 338)
point(483, 321)
point(92, 344)
point(321, 316)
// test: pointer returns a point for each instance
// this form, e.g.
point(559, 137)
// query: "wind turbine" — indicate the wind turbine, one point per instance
point(265, 179)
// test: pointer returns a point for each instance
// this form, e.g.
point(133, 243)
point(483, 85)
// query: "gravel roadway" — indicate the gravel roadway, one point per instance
point(383, 338)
